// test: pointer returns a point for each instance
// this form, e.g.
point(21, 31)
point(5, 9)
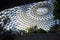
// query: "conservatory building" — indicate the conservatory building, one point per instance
point(28, 15)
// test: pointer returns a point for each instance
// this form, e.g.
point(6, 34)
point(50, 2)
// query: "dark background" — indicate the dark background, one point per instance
point(4, 4)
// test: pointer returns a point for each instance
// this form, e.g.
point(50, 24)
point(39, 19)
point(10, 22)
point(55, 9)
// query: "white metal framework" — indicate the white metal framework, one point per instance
point(29, 15)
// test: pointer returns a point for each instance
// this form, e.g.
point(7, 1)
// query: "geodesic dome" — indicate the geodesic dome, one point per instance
point(29, 15)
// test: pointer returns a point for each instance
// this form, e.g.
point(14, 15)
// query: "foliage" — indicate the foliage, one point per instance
point(41, 31)
point(53, 29)
point(35, 30)
point(21, 32)
point(56, 11)
point(30, 30)
point(58, 29)
point(7, 35)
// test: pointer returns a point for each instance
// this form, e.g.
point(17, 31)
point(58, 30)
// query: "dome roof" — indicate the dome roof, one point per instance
point(29, 15)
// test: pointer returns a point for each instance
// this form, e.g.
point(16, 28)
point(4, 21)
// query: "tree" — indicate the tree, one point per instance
point(57, 8)
point(34, 30)
point(41, 31)
point(56, 11)
point(30, 30)
point(7, 35)
point(53, 29)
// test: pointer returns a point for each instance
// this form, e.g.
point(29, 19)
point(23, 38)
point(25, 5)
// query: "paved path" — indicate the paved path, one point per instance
point(39, 37)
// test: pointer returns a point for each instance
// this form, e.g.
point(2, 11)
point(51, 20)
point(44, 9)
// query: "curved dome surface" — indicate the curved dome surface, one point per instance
point(41, 11)
point(29, 15)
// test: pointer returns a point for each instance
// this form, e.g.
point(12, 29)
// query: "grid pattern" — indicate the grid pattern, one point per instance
point(26, 15)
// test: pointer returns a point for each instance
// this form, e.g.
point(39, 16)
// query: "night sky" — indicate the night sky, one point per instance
point(4, 4)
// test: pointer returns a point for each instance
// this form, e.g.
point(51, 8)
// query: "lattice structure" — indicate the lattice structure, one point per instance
point(29, 15)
